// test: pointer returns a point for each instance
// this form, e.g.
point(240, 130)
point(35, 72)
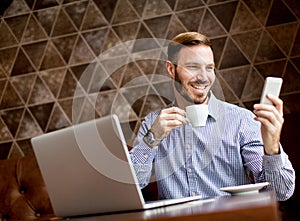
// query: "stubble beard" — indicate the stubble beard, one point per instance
point(183, 92)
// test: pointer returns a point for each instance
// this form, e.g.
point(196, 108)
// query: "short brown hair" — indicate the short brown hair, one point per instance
point(185, 39)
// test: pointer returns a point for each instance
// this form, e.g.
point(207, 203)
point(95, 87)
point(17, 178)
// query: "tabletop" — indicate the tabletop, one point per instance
point(248, 207)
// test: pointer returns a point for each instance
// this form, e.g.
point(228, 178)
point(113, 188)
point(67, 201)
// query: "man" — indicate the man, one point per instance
point(235, 147)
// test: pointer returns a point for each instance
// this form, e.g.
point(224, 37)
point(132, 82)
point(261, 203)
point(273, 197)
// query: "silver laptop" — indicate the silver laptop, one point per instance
point(87, 170)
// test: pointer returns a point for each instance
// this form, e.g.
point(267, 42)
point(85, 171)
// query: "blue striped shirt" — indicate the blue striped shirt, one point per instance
point(199, 161)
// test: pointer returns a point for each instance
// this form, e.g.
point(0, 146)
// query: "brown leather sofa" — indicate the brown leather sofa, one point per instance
point(23, 195)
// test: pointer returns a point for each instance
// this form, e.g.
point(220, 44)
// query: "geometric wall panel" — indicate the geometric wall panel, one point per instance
point(46, 47)
point(286, 15)
point(284, 35)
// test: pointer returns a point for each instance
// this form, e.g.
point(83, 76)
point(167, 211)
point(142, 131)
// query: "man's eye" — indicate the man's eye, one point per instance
point(192, 67)
point(210, 68)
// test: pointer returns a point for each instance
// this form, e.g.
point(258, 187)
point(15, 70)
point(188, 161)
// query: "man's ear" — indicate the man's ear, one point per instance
point(170, 69)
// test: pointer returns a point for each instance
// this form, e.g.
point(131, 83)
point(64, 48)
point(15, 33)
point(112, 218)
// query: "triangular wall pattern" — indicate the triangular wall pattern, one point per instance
point(46, 48)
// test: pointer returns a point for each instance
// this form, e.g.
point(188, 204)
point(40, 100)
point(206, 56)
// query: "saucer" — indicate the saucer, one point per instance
point(244, 189)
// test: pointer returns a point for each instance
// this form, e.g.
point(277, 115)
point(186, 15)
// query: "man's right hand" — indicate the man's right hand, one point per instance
point(167, 120)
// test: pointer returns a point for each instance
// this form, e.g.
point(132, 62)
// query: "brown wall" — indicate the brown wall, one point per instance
point(46, 46)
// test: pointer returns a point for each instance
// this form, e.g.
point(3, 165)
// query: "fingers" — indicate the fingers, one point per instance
point(268, 112)
point(173, 116)
point(270, 116)
point(269, 121)
point(276, 108)
point(168, 119)
point(174, 110)
point(277, 102)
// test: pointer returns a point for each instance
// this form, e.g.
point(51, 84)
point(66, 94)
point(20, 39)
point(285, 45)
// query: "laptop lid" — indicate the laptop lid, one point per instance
point(86, 170)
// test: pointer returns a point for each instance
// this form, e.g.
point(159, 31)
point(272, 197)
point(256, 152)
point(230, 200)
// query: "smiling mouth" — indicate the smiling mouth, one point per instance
point(198, 86)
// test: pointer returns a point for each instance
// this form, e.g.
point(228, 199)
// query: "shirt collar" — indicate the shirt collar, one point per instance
point(214, 107)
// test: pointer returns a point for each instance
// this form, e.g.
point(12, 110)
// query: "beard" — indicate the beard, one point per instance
point(179, 86)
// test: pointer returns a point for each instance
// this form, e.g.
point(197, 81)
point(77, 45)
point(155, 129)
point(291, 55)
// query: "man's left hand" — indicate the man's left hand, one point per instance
point(271, 118)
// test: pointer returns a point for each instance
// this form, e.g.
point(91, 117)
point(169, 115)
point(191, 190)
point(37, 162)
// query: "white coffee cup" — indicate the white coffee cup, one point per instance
point(197, 114)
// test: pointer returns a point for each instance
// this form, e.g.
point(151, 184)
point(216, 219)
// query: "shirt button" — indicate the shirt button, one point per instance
point(188, 146)
point(189, 170)
point(146, 156)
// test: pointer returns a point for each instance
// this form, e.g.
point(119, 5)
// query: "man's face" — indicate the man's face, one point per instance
point(195, 73)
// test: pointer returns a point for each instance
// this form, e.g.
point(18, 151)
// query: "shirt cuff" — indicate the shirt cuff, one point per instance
point(143, 153)
point(274, 162)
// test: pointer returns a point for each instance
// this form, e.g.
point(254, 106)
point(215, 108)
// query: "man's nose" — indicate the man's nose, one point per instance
point(200, 73)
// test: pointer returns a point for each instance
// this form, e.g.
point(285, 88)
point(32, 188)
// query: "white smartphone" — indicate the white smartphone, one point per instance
point(272, 86)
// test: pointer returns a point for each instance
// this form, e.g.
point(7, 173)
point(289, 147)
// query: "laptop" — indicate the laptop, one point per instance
point(86, 169)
